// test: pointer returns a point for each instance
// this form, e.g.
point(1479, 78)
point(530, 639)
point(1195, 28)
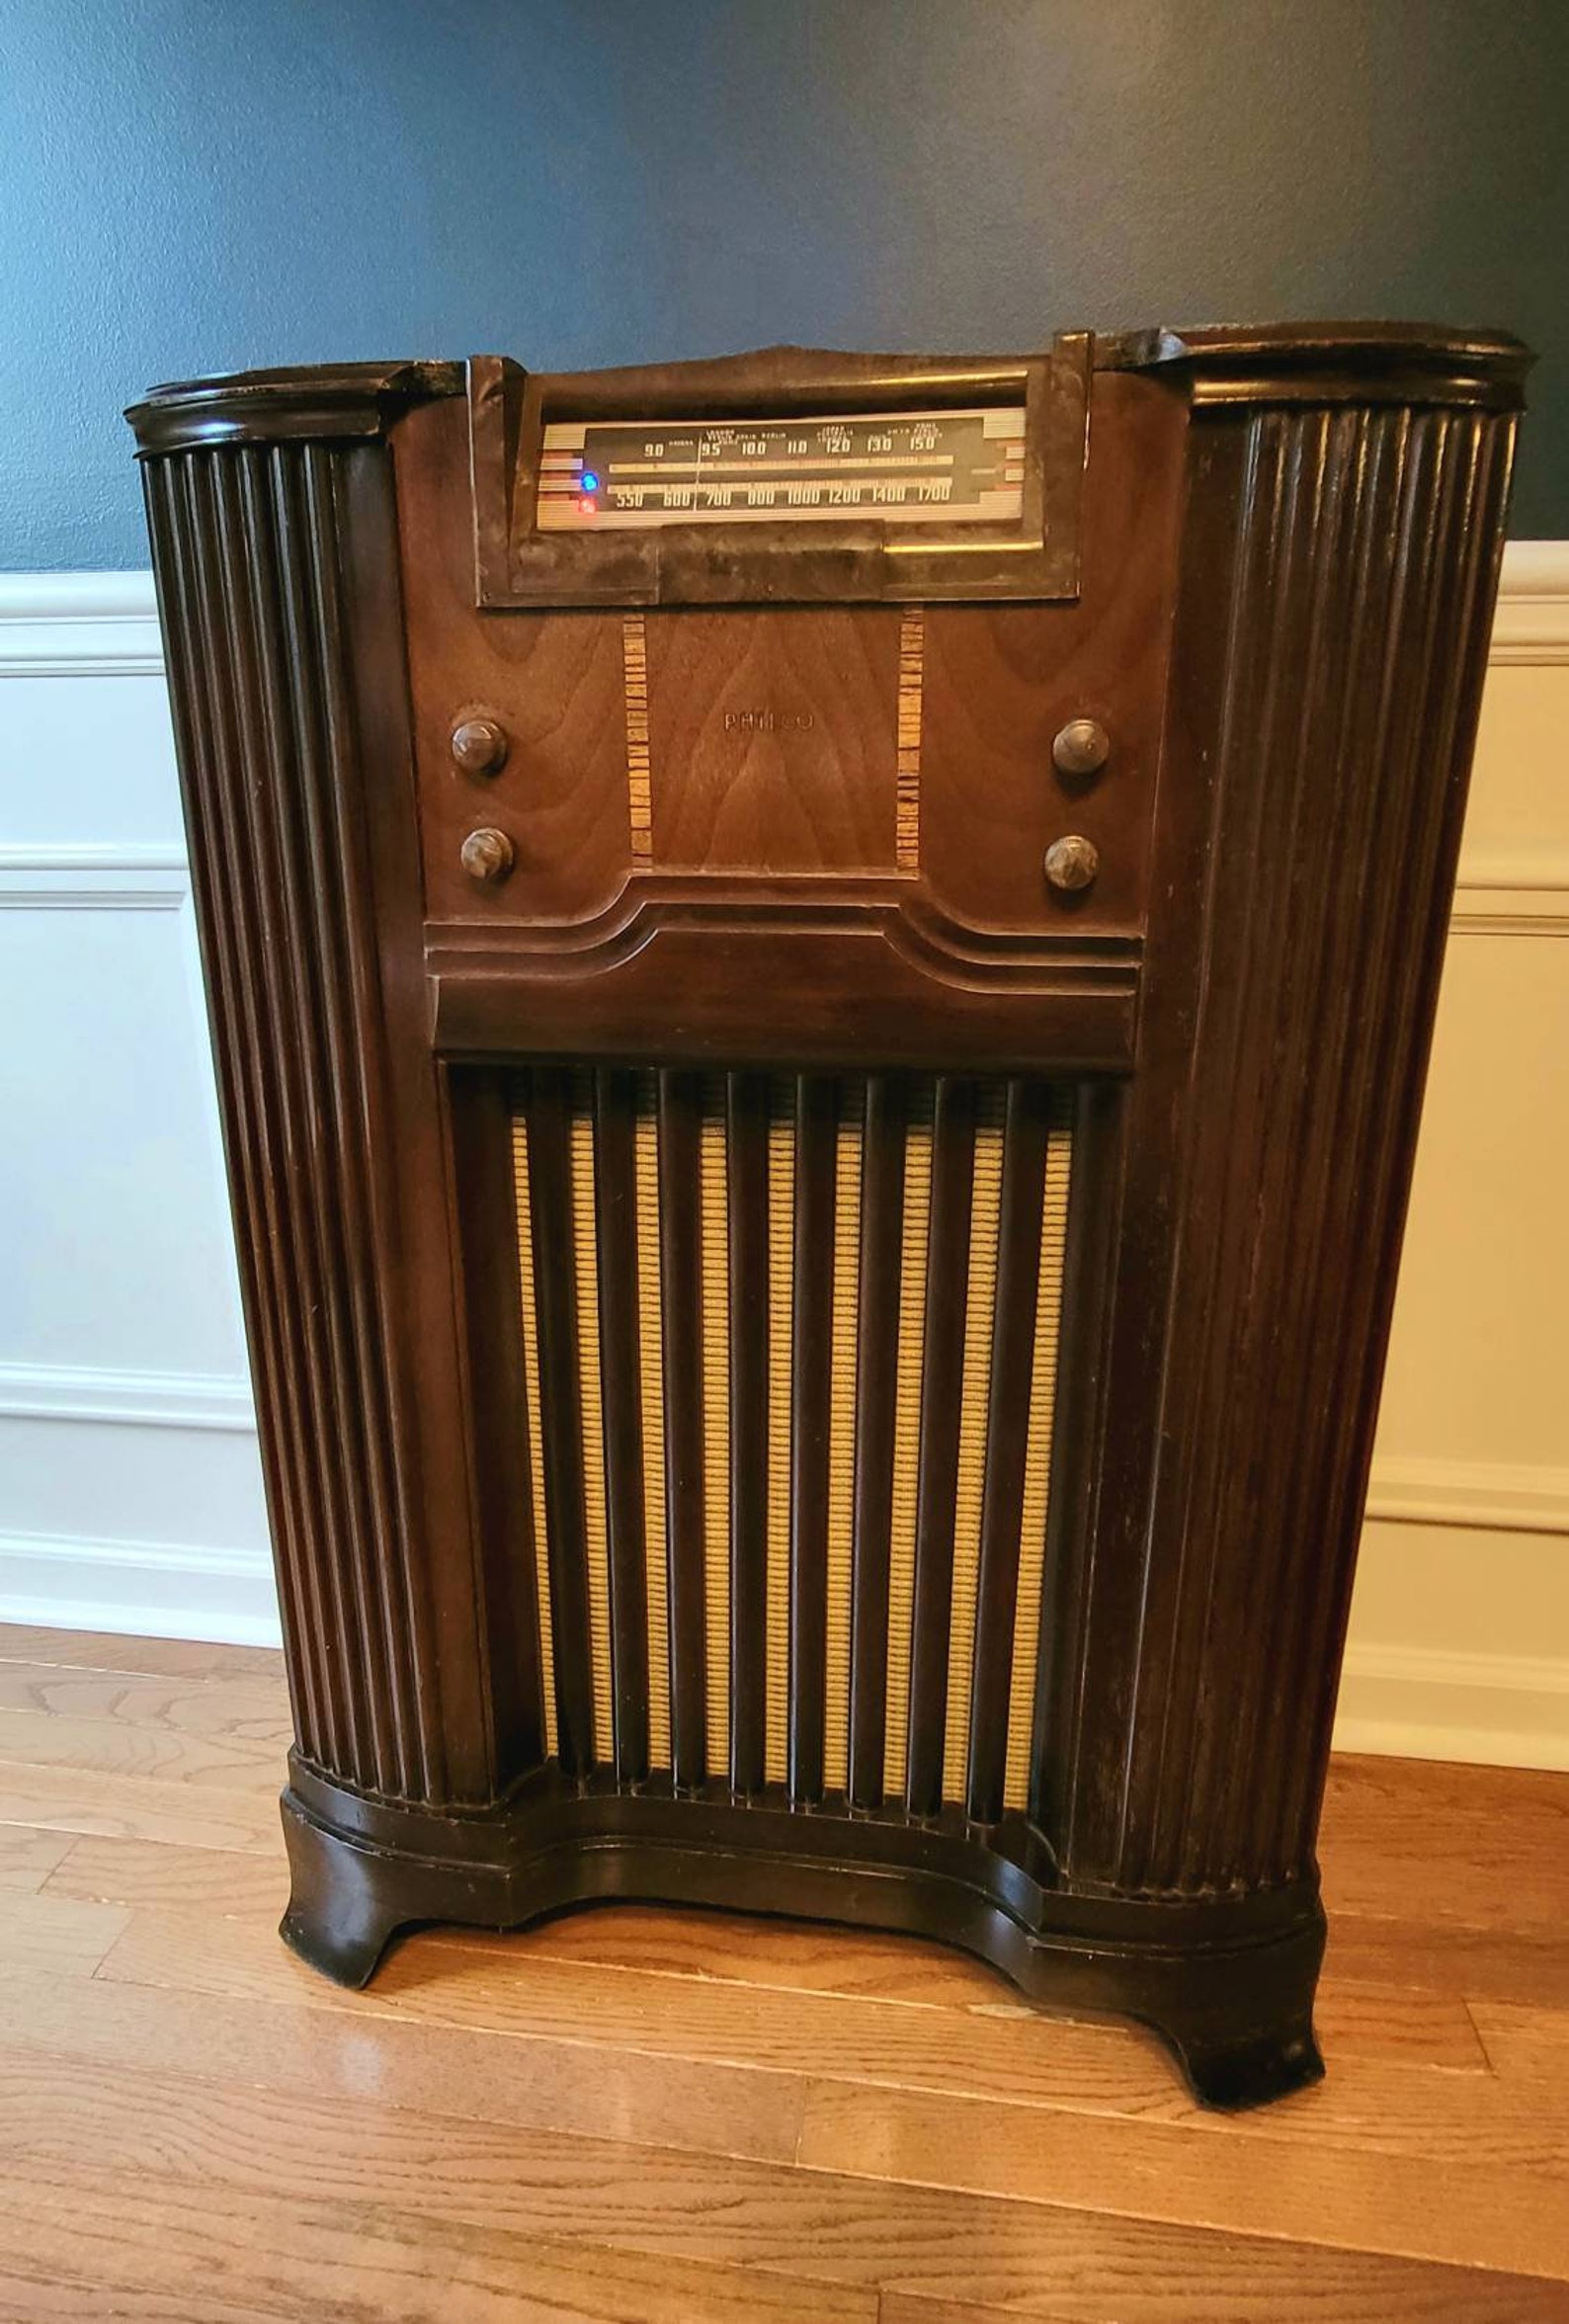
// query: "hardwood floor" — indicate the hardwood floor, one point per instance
point(637, 2114)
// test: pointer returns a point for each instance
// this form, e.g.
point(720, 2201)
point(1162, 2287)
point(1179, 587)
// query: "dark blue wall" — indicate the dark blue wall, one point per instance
point(199, 185)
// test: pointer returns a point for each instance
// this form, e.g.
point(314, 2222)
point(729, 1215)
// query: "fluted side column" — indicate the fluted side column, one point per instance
point(1338, 581)
point(278, 573)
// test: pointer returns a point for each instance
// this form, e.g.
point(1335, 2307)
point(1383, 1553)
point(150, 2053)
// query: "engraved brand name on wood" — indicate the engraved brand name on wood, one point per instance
point(768, 721)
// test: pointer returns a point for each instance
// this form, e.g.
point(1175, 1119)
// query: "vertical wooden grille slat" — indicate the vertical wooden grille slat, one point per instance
point(872, 1419)
point(1008, 1415)
point(781, 1367)
point(615, 1200)
point(555, 1281)
point(747, 1102)
point(683, 1345)
point(530, 1378)
point(909, 1365)
point(650, 1351)
point(596, 1526)
point(795, 1473)
point(715, 1246)
point(811, 1240)
point(1021, 1707)
point(844, 1362)
point(974, 1435)
point(942, 1407)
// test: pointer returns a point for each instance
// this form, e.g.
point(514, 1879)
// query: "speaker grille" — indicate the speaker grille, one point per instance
point(790, 1351)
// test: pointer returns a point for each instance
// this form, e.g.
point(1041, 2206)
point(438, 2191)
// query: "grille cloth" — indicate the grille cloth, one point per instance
point(843, 1254)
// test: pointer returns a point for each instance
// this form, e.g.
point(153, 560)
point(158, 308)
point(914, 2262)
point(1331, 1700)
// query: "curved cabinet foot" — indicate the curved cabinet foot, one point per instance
point(345, 1904)
point(1228, 1985)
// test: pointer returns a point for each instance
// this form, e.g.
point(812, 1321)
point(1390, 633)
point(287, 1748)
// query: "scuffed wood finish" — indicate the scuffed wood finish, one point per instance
point(769, 818)
point(641, 2114)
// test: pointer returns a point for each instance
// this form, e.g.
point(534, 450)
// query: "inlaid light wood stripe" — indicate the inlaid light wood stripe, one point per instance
point(650, 1348)
point(907, 809)
point(781, 1278)
point(844, 1360)
point(907, 1438)
point(585, 1251)
point(531, 1374)
point(1037, 1458)
point(639, 775)
point(979, 1304)
point(712, 1202)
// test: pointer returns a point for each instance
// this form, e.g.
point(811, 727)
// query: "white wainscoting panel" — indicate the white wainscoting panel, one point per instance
point(129, 1486)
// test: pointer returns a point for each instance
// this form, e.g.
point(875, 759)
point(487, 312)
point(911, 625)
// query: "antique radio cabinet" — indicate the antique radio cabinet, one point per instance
point(821, 968)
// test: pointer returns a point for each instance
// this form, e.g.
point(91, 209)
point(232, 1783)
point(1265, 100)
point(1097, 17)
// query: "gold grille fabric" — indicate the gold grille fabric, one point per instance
point(841, 1650)
point(585, 1251)
point(531, 1390)
point(842, 1357)
point(907, 1441)
point(713, 1177)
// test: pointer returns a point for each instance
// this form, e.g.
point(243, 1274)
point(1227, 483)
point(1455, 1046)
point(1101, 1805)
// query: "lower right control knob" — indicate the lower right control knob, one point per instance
point(1072, 862)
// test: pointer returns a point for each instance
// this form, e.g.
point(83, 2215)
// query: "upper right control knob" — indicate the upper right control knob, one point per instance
point(1082, 747)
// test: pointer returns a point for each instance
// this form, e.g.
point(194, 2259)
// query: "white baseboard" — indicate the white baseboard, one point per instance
point(1494, 1709)
point(140, 1589)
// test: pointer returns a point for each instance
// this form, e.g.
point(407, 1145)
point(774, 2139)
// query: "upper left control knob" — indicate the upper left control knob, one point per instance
point(479, 746)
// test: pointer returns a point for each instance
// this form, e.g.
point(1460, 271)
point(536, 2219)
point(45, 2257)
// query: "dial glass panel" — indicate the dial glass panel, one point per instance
point(933, 466)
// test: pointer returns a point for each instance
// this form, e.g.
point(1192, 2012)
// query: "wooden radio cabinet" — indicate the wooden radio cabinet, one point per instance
point(821, 970)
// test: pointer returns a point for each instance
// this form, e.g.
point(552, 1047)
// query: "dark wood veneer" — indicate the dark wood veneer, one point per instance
point(1270, 580)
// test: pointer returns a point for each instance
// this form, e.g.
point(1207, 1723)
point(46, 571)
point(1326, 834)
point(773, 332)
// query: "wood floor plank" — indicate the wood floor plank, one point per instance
point(251, 1710)
point(1524, 2043)
point(1470, 2213)
point(27, 1857)
point(1041, 2258)
point(108, 1650)
point(150, 1872)
point(1481, 1847)
point(1501, 1965)
point(72, 2241)
point(114, 1747)
point(1367, 2105)
point(358, 2052)
point(59, 1935)
point(65, 1800)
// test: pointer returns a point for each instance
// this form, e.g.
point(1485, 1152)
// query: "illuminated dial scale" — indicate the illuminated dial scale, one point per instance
point(948, 466)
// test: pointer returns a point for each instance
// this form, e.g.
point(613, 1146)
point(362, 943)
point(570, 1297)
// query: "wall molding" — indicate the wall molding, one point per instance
point(133, 1398)
point(1532, 625)
point(1488, 1495)
point(125, 876)
point(140, 1589)
point(79, 625)
point(1492, 1710)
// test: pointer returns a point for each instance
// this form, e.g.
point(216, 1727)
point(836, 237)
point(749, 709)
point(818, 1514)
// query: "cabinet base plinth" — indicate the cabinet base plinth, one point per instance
point(1227, 1984)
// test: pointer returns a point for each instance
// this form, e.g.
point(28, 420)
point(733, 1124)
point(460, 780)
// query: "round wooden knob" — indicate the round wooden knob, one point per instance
point(487, 855)
point(1072, 862)
point(1081, 748)
point(479, 746)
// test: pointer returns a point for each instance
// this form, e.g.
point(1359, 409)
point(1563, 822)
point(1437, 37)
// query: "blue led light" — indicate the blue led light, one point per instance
point(589, 480)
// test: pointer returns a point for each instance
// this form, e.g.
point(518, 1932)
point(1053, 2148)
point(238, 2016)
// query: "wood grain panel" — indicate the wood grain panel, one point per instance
point(773, 739)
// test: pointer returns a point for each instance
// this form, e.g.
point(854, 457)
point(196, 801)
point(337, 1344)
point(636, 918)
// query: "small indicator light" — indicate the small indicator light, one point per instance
point(590, 481)
point(588, 508)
